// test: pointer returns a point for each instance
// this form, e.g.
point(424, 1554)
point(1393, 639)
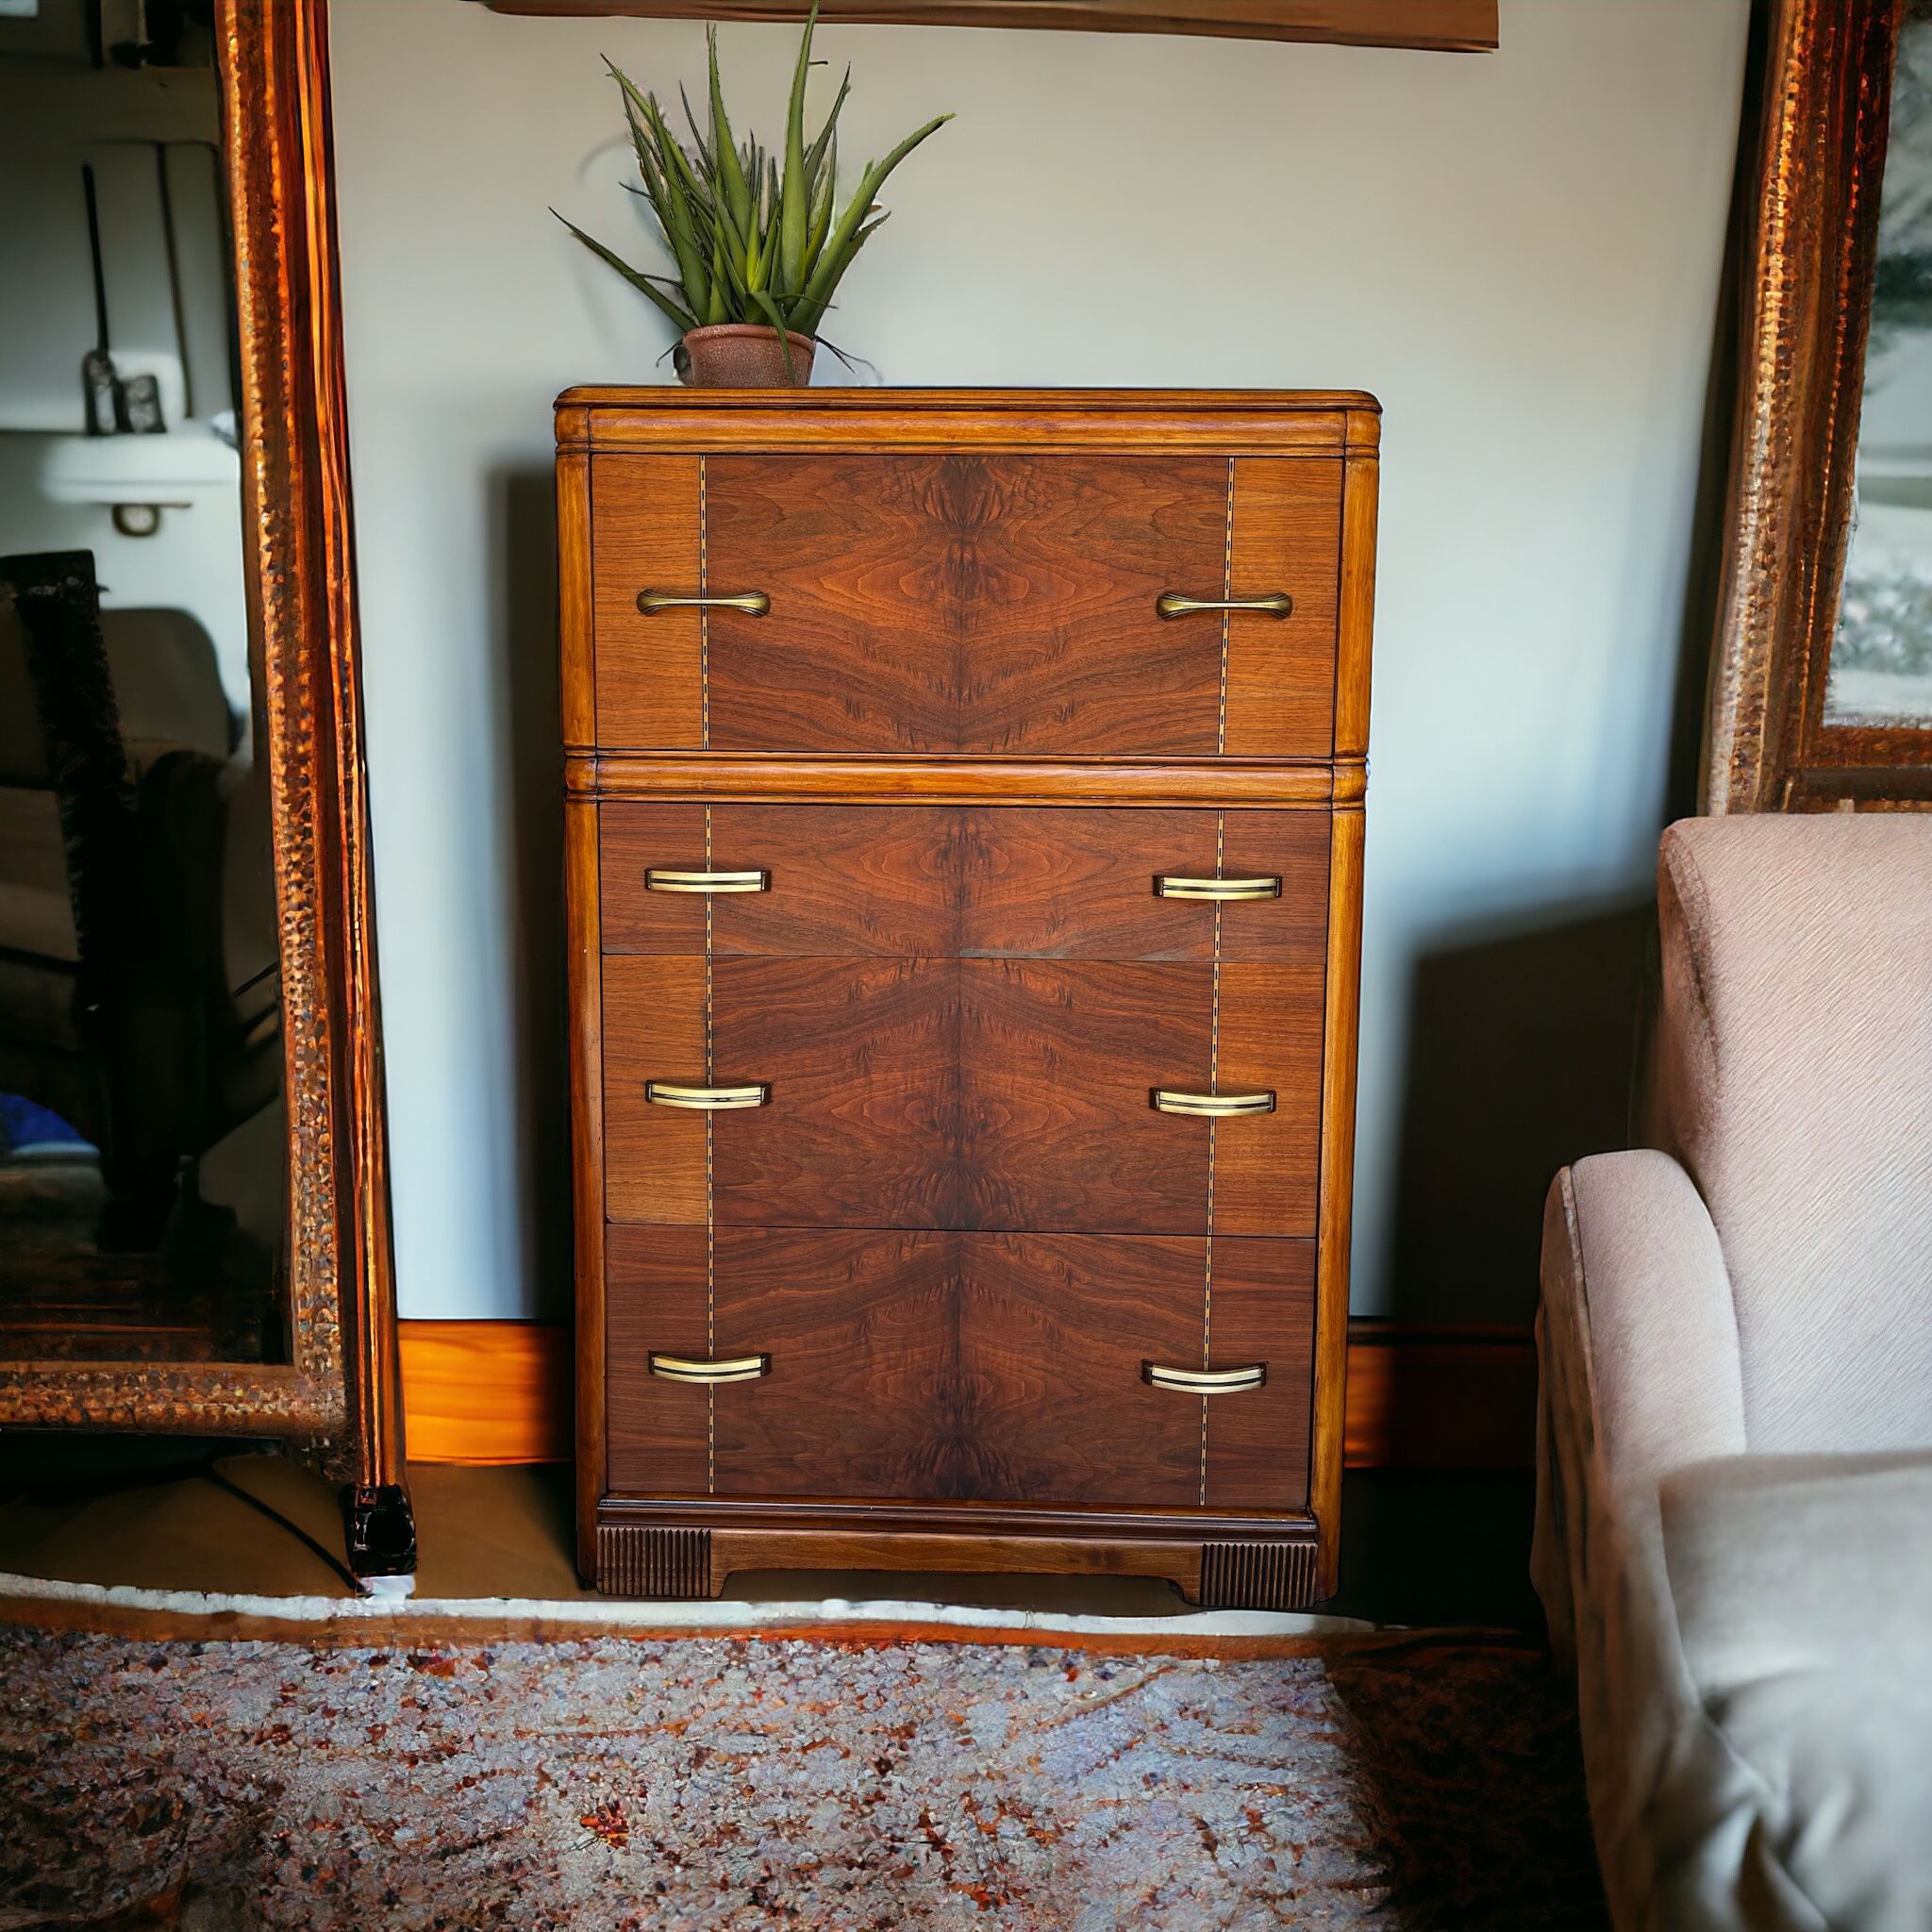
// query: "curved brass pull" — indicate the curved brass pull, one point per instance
point(1173, 603)
point(663, 879)
point(1205, 1381)
point(682, 1367)
point(655, 603)
point(1216, 1105)
point(1169, 884)
point(703, 1099)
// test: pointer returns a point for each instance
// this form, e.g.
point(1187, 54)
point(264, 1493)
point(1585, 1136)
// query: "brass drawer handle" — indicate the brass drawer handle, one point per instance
point(703, 1099)
point(1205, 1381)
point(1173, 886)
point(663, 878)
point(1216, 1105)
point(681, 1368)
point(1171, 604)
point(655, 603)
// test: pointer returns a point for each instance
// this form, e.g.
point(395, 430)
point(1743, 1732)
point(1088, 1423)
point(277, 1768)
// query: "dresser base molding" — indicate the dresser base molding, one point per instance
point(1218, 1562)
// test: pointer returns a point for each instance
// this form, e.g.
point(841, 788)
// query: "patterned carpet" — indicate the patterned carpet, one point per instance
point(867, 1785)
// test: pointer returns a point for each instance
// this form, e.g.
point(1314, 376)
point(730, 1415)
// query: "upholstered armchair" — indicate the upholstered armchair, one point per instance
point(1734, 1535)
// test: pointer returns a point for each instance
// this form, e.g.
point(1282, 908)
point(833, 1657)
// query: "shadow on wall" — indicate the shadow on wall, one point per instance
point(1523, 1049)
point(522, 565)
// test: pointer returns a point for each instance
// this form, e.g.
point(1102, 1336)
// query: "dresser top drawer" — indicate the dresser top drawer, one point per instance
point(1217, 422)
point(1113, 603)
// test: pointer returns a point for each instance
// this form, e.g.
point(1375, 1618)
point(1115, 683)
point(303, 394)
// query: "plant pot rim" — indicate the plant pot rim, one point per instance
point(748, 328)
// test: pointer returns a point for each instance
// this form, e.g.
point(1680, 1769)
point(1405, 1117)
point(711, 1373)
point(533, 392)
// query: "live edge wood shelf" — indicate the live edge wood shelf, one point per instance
point(964, 861)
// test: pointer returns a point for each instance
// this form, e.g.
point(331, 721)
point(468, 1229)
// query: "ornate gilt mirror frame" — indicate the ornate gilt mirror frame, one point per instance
point(1810, 250)
point(337, 1399)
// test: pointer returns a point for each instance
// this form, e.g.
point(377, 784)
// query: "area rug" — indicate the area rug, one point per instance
point(861, 1781)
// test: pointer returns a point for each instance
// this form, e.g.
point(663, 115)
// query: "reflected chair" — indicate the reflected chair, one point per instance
point(138, 995)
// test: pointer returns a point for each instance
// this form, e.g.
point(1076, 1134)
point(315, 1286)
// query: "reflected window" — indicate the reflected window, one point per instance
point(1881, 658)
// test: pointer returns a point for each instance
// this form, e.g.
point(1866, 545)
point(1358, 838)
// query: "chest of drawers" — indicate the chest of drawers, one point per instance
point(964, 832)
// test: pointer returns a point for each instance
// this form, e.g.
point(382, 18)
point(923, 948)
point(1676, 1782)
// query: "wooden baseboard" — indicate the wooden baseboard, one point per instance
point(487, 1392)
point(1417, 1398)
point(1439, 1398)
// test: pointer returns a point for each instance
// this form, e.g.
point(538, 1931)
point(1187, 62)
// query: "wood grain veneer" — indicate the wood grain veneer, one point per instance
point(1007, 1094)
point(935, 882)
point(585, 989)
point(958, 748)
point(941, 1366)
point(967, 603)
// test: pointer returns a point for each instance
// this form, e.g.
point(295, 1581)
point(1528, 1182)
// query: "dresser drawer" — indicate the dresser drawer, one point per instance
point(996, 604)
point(970, 1367)
point(963, 1094)
point(915, 881)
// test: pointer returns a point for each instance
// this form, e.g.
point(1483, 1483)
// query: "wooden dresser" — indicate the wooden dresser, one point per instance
point(964, 863)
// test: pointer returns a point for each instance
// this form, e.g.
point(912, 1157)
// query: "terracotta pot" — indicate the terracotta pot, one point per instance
point(742, 355)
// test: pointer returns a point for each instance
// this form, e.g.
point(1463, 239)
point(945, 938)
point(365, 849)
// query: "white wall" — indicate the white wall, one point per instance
point(1518, 252)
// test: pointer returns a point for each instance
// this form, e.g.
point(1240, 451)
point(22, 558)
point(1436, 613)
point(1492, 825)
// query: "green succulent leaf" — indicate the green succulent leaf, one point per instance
point(822, 199)
point(644, 284)
point(795, 196)
point(776, 317)
point(840, 247)
point(736, 200)
point(828, 132)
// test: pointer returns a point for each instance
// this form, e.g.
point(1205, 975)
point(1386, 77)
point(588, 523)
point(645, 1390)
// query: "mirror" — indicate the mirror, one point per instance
point(142, 1136)
point(1881, 656)
point(194, 1229)
point(1821, 680)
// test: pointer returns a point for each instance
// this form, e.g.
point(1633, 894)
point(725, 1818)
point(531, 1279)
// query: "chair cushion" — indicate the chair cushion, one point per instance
point(1803, 1589)
point(1796, 1074)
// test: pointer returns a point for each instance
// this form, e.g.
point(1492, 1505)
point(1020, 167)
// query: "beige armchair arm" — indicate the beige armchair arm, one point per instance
point(1637, 1345)
point(1634, 1283)
point(1637, 1340)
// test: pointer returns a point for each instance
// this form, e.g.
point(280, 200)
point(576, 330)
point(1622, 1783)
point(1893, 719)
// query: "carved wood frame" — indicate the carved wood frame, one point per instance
point(340, 1395)
point(1809, 260)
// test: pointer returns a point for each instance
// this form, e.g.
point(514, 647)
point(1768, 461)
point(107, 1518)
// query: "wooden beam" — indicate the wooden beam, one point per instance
point(1452, 27)
point(1417, 1398)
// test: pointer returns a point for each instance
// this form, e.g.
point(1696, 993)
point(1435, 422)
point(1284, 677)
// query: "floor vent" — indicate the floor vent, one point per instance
point(1257, 1576)
point(653, 1562)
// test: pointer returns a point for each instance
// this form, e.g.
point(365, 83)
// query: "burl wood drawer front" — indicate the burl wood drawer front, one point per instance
point(964, 1094)
point(999, 605)
point(916, 881)
point(978, 1367)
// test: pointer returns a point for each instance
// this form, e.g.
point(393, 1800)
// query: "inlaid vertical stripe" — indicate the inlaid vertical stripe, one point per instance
point(1213, 1087)
point(1214, 1017)
point(703, 615)
point(1226, 616)
point(711, 1126)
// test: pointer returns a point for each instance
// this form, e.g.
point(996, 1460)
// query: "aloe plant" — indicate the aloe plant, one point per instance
point(756, 238)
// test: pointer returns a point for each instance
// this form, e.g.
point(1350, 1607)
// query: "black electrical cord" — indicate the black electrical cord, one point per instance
point(349, 1578)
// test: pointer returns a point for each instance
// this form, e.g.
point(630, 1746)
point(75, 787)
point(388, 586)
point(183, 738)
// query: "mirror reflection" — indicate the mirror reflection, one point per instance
point(1881, 658)
point(142, 1211)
